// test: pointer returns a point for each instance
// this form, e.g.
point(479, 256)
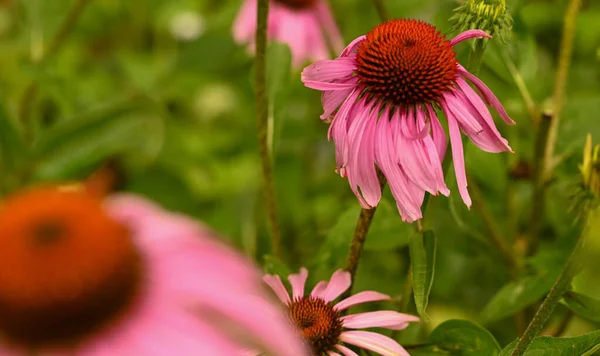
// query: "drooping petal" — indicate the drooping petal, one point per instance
point(360, 298)
point(469, 34)
point(375, 342)
point(457, 155)
point(346, 351)
point(469, 123)
point(325, 17)
point(328, 70)
point(387, 160)
point(361, 155)
point(339, 282)
point(339, 130)
point(298, 281)
point(487, 94)
point(275, 283)
point(437, 133)
point(332, 99)
point(244, 25)
point(378, 319)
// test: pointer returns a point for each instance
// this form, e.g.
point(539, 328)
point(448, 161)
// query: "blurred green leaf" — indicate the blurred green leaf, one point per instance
point(422, 258)
point(387, 230)
point(279, 61)
point(12, 145)
point(584, 345)
point(273, 265)
point(583, 305)
point(464, 338)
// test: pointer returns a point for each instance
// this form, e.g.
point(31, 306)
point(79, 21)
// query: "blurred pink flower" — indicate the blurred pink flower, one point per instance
point(307, 26)
point(86, 277)
point(322, 324)
point(383, 92)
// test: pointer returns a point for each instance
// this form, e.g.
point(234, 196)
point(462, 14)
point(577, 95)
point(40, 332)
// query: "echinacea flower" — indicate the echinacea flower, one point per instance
point(383, 92)
point(82, 276)
point(322, 324)
point(307, 26)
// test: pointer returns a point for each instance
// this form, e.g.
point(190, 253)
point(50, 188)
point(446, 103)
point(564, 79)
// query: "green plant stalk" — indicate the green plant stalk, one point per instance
point(381, 10)
point(476, 55)
point(56, 44)
point(262, 116)
point(564, 62)
point(561, 285)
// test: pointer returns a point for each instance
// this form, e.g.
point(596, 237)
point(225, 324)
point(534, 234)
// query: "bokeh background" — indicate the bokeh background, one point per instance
point(161, 90)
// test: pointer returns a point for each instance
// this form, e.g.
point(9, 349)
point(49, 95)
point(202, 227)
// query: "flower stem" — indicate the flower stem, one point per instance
point(56, 43)
point(262, 116)
point(561, 285)
point(381, 10)
point(360, 234)
point(476, 55)
point(564, 62)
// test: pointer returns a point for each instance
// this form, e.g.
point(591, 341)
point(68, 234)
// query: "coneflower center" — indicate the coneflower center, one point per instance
point(406, 62)
point(66, 268)
point(297, 4)
point(319, 323)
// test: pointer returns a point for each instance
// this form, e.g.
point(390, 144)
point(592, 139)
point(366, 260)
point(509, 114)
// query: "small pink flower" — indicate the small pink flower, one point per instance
point(307, 26)
point(383, 92)
point(86, 277)
point(322, 324)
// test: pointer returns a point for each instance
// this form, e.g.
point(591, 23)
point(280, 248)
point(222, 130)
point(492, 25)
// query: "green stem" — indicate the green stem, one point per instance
point(561, 285)
point(539, 183)
point(564, 62)
point(262, 116)
point(476, 55)
point(381, 10)
point(520, 83)
point(56, 43)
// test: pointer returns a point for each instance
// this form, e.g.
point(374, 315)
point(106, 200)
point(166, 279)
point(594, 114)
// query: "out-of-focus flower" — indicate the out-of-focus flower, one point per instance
point(307, 26)
point(120, 276)
point(490, 16)
point(321, 322)
point(187, 25)
point(383, 92)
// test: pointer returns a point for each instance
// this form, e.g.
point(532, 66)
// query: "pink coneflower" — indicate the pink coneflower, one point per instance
point(307, 26)
point(85, 277)
point(383, 91)
point(322, 324)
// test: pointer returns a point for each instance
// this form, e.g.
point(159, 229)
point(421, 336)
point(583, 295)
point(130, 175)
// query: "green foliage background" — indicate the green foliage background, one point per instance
point(178, 117)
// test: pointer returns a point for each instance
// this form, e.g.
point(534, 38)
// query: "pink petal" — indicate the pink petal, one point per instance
point(328, 70)
point(275, 283)
point(331, 353)
point(457, 155)
point(437, 133)
point(378, 319)
point(467, 35)
point(319, 289)
point(407, 203)
point(339, 129)
point(435, 163)
point(462, 114)
point(353, 46)
point(487, 94)
point(298, 281)
point(361, 156)
point(381, 344)
point(360, 298)
point(339, 282)
point(346, 351)
point(331, 100)
point(244, 25)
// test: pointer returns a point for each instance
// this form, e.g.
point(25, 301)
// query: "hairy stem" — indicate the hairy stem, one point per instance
point(564, 62)
point(56, 43)
point(561, 285)
point(381, 10)
point(262, 116)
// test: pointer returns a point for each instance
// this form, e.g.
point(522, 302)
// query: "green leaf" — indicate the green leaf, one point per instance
point(422, 258)
point(13, 150)
point(582, 305)
point(584, 345)
point(279, 59)
point(274, 265)
point(387, 230)
point(464, 338)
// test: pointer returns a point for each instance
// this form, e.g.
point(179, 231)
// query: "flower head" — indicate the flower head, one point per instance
point(307, 26)
point(383, 92)
point(322, 325)
point(488, 15)
point(85, 276)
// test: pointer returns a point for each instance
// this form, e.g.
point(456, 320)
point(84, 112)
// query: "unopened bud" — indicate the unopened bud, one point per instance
point(490, 16)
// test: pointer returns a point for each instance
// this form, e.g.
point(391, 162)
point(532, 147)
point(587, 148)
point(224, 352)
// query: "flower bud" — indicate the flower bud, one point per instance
point(490, 16)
